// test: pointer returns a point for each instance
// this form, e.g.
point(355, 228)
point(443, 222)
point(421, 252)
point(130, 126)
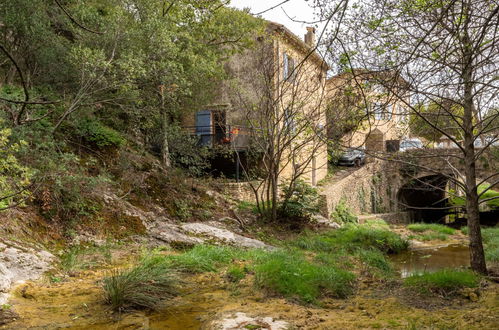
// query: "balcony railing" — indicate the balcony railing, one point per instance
point(234, 136)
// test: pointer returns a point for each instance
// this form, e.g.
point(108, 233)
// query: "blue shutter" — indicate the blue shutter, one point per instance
point(203, 127)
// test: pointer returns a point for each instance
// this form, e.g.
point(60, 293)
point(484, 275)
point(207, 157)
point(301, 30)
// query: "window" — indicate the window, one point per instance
point(289, 121)
point(377, 109)
point(288, 68)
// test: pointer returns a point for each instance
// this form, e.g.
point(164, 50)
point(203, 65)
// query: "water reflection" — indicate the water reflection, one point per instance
point(431, 260)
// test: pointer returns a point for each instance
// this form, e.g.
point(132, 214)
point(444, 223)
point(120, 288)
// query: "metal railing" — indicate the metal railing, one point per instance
point(236, 136)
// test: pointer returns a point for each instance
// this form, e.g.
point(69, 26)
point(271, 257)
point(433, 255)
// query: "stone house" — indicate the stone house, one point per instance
point(277, 87)
point(368, 109)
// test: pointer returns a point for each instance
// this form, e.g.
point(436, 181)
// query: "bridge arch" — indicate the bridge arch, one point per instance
point(425, 198)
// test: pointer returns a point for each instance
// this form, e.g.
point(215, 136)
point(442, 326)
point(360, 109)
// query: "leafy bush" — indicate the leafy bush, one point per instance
point(422, 227)
point(146, 285)
point(290, 274)
point(445, 282)
point(98, 134)
point(303, 203)
point(14, 177)
point(343, 214)
point(204, 258)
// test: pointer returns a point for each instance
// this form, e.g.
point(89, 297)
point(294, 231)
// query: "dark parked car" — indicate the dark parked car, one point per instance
point(352, 157)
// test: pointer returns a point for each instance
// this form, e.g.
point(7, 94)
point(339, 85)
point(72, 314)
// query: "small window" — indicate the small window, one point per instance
point(289, 121)
point(377, 109)
point(288, 68)
point(285, 69)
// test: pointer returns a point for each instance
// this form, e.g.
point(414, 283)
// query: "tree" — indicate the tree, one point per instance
point(435, 113)
point(283, 105)
point(447, 51)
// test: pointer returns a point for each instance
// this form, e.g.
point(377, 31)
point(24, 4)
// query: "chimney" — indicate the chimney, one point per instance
point(310, 36)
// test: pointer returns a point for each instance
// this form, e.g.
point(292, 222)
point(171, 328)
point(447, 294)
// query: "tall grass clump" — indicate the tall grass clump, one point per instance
point(422, 227)
point(444, 282)
point(290, 274)
point(205, 258)
point(353, 237)
point(145, 286)
point(491, 243)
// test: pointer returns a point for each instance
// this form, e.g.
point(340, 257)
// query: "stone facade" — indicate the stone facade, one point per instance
point(373, 105)
point(281, 72)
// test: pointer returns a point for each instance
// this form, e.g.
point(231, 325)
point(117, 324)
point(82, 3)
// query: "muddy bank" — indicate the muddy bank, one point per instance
point(207, 300)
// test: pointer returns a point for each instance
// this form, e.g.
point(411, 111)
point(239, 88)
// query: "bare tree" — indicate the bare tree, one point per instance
point(281, 96)
point(448, 52)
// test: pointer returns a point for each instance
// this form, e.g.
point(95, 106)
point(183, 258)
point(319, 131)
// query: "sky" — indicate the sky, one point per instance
point(295, 9)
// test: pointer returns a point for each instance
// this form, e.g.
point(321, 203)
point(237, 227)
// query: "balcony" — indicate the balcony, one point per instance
point(234, 136)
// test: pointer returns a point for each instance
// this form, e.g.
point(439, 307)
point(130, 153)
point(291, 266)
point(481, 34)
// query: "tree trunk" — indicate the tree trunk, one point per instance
point(477, 256)
point(165, 151)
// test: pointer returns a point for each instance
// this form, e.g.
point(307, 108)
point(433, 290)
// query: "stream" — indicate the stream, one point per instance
point(431, 259)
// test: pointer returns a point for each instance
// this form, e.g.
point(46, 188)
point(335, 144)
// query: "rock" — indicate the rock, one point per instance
point(471, 294)
point(20, 264)
point(173, 234)
point(243, 321)
point(223, 235)
point(320, 220)
point(7, 315)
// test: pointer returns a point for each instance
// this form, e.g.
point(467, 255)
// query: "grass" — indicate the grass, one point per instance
point(490, 238)
point(205, 258)
point(83, 257)
point(493, 203)
point(491, 243)
point(444, 282)
point(290, 274)
point(422, 227)
point(146, 286)
point(430, 236)
point(352, 237)
point(235, 274)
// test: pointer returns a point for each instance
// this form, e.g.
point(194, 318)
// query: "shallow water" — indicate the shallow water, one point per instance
point(431, 259)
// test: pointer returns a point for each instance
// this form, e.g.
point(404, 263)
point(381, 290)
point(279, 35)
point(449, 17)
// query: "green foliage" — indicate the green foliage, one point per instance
point(490, 195)
point(302, 203)
point(422, 227)
point(235, 273)
point(146, 285)
point(14, 177)
point(465, 230)
point(98, 134)
point(82, 257)
point(352, 238)
point(343, 214)
point(186, 153)
point(444, 282)
point(290, 273)
point(491, 243)
point(440, 114)
point(204, 258)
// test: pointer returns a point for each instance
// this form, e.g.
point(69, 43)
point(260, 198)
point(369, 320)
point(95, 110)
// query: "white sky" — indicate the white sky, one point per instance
point(295, 9)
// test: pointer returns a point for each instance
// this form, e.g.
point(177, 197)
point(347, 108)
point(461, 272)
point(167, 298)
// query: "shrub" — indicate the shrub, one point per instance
point(290, 274)
point(93, 131)
point(444, 282)
point(14, 177)
point(146, 285)
point(204, 258)
point(342, 213)
point(302, 204)
point(422, 227)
